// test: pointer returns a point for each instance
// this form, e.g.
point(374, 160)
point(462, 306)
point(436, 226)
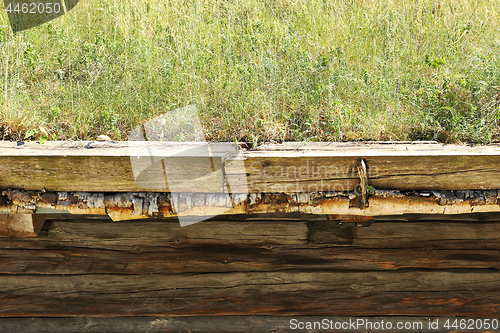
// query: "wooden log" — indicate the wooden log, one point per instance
point(21, 225)
point(86, 247)
point(470, 293)
point(349, 221)
point(287, 168)
point(383, 234)
point(229, 324)
point(52, 258)
point(378, 235)
point(107, 166)
point(316, 167)
point(172, 234)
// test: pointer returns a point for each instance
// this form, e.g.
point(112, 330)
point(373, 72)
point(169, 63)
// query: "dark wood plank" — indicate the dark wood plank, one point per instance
point(379, 235)
point(165, 233)
point(462, 293)
point(90, 247)
point(409, 234)
point(77, 217)
point(52, 258)
point(423, 233)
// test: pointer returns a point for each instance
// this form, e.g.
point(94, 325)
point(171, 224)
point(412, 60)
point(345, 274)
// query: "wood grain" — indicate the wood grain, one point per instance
point(423, 293)
point(52, 258)
point(300, 167)
point(86, 247)
point(278, 265)
point(172, 234)
point(107, 166)
point(289, 168)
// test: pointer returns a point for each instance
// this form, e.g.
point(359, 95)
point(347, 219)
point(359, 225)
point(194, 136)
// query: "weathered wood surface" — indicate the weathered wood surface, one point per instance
point(21, 225)
point(263, 266)
point(172, 234)
point(84, 247)
point(289, 168)
point(229, 324)
point(311, 167)
point(471, 293)
point(106, 166)
point(52, 258)
point(412, 234)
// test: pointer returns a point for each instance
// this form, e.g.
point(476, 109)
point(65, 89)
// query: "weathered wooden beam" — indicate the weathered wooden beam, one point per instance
point(86, 257)
point(100, 247)
point(417, 293)
point(349, 221)
point(286, 168)
point(429, 234)
point(109, 166)
point(317, 167)
point(21, 225)
point(170, 234)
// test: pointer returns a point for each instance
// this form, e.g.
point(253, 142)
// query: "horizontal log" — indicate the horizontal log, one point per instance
point(52, 258)
point(276, 232)
point(285, 293)
point(409, 234)
point(171, 234)
point(105, 166)
point(287, 168)
point(317, 167)
point(87, 247)
point(229, 324)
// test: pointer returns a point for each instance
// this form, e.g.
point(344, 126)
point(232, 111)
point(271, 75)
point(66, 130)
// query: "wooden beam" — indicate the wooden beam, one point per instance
point(213, 232)
point(100, 247)
point(349, 221)
point(86, 257)
point(108, 166)
point(422, 293)
point(313, 167)
point(21, 225)
point(287, 168)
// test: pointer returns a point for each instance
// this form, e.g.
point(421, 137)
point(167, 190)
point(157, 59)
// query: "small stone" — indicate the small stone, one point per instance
point(103, 138)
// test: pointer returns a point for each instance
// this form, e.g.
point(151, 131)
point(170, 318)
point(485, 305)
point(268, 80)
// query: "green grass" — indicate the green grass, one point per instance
point(330, 70)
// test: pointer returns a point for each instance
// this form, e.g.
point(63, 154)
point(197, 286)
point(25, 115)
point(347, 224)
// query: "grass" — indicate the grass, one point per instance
point(317, 70)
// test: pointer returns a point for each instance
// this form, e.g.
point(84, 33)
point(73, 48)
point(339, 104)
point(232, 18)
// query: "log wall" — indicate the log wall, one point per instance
point(281, 265)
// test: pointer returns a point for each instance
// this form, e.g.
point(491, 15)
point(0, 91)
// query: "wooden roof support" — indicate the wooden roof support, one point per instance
point(281, 168)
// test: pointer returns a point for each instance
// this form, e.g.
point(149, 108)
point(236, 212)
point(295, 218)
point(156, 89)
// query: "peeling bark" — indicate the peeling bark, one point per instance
point(133, 205)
